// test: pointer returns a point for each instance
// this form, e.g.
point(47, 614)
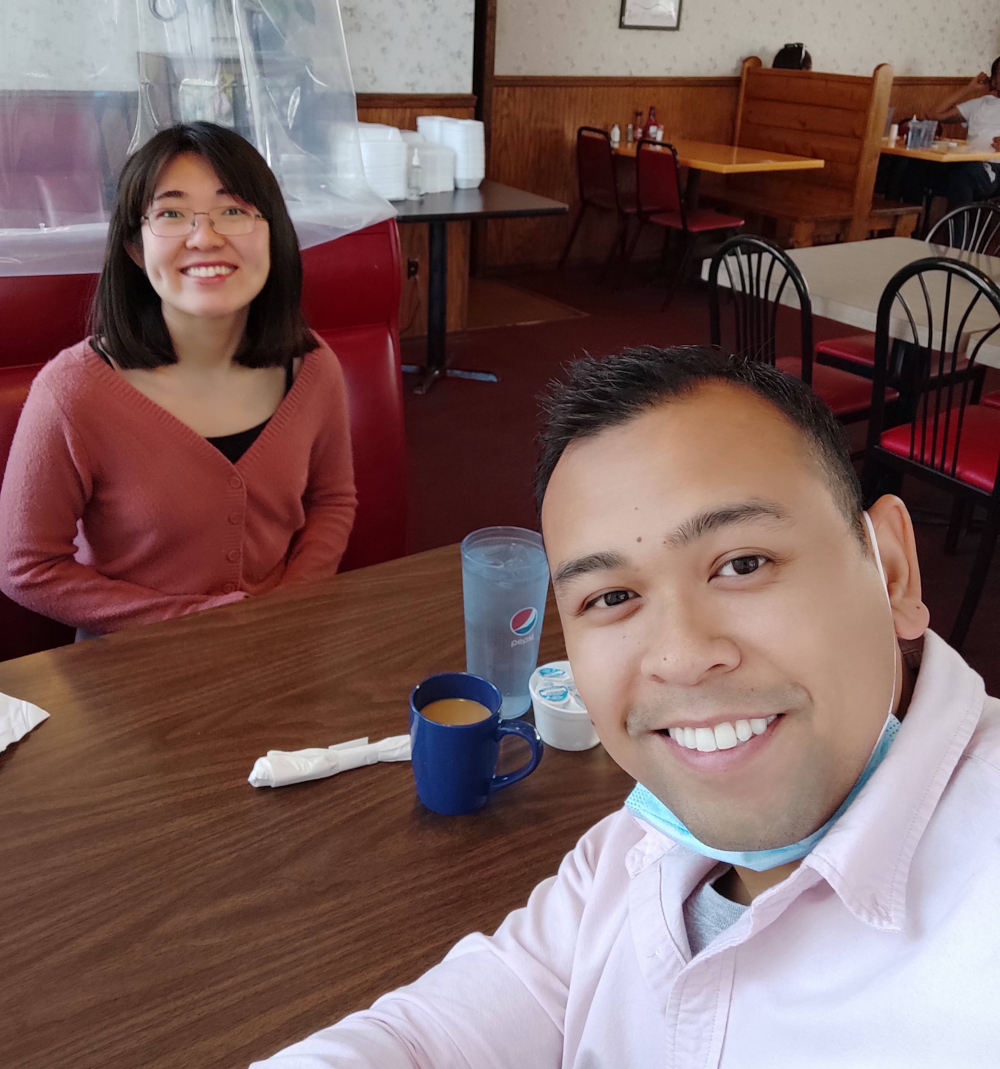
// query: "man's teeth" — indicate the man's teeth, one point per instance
point(209, 272)
point(722, 737)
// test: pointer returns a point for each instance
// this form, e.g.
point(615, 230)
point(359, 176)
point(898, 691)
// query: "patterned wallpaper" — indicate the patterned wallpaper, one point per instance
point(581, 37)
point(410, 46)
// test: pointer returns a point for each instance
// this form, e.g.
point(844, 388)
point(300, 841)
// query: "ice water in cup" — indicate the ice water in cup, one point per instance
point(505, 577)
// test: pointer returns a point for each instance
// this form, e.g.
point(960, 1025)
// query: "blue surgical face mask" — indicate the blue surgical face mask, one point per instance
point(649, 808)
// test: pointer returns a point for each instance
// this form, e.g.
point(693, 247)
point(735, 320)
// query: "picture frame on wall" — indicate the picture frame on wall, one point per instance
point(650, 15)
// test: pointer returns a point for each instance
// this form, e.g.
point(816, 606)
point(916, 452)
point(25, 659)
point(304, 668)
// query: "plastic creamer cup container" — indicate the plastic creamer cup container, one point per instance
point(560, 715)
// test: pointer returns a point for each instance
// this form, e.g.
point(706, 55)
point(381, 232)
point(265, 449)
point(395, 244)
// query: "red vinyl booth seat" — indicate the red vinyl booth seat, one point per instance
point(350, 297)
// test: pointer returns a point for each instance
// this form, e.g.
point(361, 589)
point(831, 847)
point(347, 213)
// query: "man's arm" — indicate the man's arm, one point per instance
point(493, 1003)
point(947, 109)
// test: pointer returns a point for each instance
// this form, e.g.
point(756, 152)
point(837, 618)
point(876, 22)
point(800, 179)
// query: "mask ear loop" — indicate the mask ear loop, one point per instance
point(885, 588)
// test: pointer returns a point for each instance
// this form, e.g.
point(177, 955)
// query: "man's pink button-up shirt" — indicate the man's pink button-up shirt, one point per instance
point(882, 949)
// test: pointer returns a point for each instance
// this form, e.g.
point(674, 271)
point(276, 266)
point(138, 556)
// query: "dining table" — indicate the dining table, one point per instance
point(846, 281)
point(160, 912)
point(939, 152)
point(490, 200)
point(699, 156)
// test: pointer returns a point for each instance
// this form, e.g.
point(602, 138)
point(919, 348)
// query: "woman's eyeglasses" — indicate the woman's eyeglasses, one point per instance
point(179, 222)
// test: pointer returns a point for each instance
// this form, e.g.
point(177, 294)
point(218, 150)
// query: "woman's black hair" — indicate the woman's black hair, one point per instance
point(126, 318)
point(793, 58)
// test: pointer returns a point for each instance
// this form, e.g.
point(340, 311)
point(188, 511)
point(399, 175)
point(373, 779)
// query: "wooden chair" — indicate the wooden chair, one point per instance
point(595, 169)
point(838, 118)
point(758, 275)
point(660, 201)
point(972, 228)
point(947, 441)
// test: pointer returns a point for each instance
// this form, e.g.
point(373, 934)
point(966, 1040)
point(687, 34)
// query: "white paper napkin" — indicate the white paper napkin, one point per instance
point(282, 767)
point(17, 718)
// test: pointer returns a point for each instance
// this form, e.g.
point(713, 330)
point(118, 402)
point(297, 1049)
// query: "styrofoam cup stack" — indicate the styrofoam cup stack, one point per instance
point(385, 167)
point(560, 715)
point(429, 127)
point(466, 138)
point(437, 167)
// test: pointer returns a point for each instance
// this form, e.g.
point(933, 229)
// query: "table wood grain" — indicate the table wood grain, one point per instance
point(159, 912)
point(731, 159)
point(942, 154)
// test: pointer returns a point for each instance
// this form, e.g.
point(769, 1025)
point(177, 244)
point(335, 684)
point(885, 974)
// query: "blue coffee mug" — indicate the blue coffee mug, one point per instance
point(454, 764)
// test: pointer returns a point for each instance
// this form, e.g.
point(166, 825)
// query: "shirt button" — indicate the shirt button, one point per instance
point(229, 588)
point(234, 517)
point(233, 555)
point(235, 482)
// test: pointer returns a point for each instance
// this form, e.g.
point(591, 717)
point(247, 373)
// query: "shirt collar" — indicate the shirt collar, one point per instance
point(866, 856)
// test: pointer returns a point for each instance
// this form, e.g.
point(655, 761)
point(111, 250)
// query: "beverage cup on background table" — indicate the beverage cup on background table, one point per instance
point(455, 732)
point(505, 577)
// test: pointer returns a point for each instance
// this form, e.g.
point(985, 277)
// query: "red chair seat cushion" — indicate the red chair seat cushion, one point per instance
point(698, 221)
point(858, 348)
point(978, 454)
point(844, 394)
point(992, 400)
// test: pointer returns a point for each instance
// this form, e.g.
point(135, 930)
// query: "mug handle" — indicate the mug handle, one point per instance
point(529, 733)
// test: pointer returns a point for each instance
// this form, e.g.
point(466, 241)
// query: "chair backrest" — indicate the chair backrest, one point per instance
point(758, 276)
point(839, 118)
point(21, 632)
point(595, 167)
point(944, 311)
point(971, 228)
point(658, 179)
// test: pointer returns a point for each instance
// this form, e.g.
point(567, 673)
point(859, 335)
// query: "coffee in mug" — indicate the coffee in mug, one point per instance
point(455, 711)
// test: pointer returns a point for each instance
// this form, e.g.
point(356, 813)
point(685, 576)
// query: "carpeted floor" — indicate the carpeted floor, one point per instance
point(471, 445)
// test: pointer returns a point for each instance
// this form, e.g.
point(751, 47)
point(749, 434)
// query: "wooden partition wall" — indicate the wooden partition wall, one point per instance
point(535, 120)
point(402, 110)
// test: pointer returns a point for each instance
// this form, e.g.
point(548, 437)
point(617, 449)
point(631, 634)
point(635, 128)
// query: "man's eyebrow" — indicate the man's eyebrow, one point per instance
point(603, 561)
point(724, 516)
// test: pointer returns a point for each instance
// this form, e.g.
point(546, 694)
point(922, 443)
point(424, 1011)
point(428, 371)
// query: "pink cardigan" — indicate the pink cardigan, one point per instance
point(113, 512)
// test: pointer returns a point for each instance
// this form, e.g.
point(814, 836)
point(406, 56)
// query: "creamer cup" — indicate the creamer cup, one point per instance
point(560, 715)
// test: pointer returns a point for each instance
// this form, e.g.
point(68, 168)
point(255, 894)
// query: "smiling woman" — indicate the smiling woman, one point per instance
point(194, 450)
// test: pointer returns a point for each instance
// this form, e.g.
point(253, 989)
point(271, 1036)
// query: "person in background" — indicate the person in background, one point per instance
point(793, 58)
point(195, 449)
point(964, 183)
point(801, 875)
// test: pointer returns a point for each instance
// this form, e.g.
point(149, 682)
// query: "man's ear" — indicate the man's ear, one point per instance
point(135, 253)
point(898, 550)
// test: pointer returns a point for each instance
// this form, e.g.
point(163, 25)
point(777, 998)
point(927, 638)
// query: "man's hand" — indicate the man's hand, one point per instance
point(981, 82)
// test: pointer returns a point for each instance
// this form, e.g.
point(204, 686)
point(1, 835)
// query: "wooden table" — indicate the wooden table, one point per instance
point(846, 281)
point(491, 200)
point(731, 159)
point(940, 154)
point(160, 913)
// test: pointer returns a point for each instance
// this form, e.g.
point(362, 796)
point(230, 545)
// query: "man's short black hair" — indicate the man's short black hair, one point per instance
point(609, 391)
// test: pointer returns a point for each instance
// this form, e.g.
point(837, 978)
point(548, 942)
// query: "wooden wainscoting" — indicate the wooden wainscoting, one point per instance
point(913, 96)
point(402, 109)
point(535, 120)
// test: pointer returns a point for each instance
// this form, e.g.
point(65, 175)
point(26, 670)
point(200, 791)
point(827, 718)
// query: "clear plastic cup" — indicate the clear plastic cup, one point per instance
point(505, 577)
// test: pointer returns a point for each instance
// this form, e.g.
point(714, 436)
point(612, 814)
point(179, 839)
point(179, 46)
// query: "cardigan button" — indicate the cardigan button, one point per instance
point(229, 588)
point(233, 555)
point(234, 517)
point(235, 482)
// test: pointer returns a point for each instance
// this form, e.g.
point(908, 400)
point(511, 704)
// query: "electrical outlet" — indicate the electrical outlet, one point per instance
point(412, 267)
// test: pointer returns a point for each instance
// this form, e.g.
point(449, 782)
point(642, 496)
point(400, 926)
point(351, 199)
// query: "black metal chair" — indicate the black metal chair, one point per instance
point(947, 440)
point(598, 182)
point(971, 228)
point(758, 275)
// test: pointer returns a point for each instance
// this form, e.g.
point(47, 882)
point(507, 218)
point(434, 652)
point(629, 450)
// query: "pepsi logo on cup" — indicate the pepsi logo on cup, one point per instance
point(523, 621)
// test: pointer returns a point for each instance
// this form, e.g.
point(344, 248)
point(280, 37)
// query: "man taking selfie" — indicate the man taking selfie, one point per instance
point(806, 871)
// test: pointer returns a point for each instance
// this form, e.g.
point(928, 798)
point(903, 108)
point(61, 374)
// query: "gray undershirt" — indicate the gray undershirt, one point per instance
point(707, 914)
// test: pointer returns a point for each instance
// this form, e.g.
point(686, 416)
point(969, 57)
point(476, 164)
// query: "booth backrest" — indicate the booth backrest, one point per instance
point(838, 118)
point(350, 297)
